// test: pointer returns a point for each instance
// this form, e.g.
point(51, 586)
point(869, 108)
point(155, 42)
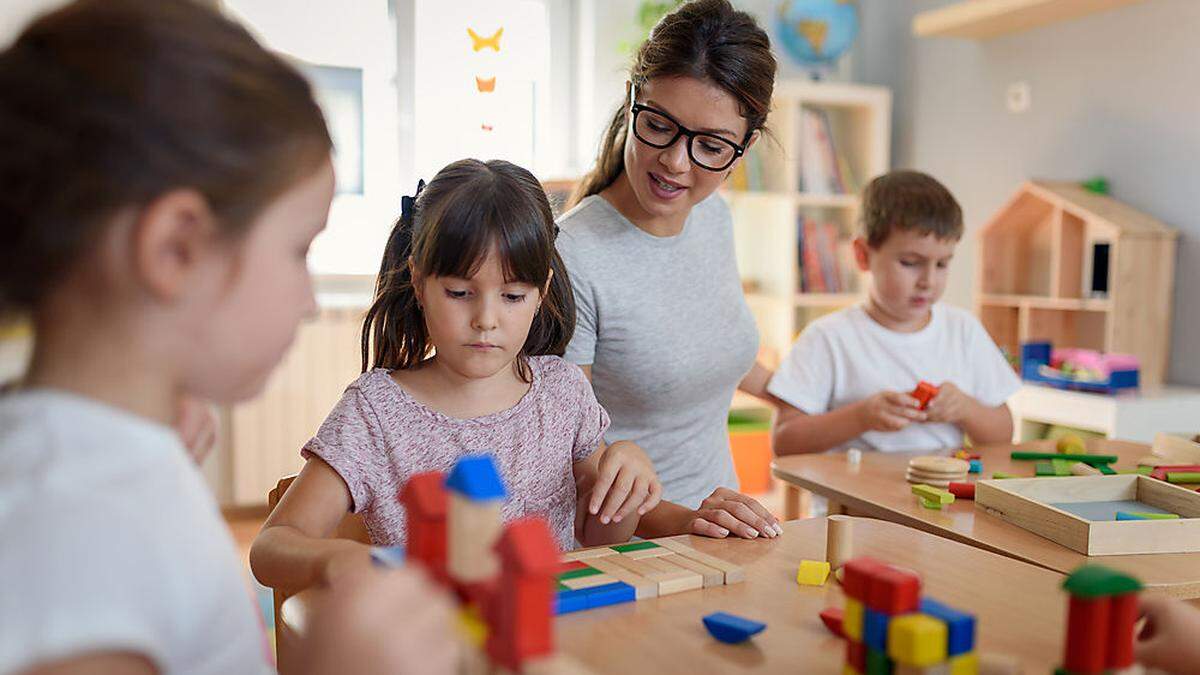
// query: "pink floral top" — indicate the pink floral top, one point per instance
point(377, 436)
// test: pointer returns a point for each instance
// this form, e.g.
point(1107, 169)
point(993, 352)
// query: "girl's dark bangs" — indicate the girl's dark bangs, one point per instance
point(466, 232)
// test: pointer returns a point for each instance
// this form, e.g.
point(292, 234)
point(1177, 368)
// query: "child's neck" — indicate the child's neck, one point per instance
point(78, 350)
point(898, 324)
point(436, 385)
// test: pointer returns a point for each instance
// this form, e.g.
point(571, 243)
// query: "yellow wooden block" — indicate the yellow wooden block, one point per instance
point(471, 627)
point(812, 573)
point(964, 664)
point(852, 620)
point(848, 669)
point(916, 640)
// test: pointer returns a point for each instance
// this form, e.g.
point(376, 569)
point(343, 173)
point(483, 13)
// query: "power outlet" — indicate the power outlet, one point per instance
point(1018, 98)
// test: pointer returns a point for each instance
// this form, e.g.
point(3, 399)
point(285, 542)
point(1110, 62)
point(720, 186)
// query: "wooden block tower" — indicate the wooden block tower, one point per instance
point(521, 614)
point(889, 627)
point(1100, 617)
point(424, 500)
point(476, 496)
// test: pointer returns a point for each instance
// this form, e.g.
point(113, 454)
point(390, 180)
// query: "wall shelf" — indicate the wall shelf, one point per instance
point(983, 19)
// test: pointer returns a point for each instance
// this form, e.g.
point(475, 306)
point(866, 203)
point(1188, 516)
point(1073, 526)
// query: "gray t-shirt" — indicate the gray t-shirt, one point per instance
point(666, 329)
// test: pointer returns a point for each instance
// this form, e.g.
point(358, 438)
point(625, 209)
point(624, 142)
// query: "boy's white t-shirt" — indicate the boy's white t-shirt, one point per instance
point(845, 357)
point(110, 541)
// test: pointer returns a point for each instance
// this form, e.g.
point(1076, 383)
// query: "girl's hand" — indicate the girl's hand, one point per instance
point(197, 427)
point(727, 511)
point(381, 621)
point(951, 405)
point(1168, 640)
point(889, 411)
point(625, 482)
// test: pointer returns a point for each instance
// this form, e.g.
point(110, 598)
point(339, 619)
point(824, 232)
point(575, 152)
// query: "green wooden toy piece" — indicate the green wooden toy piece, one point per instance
point(1183, 476)
point(635, 546)
point(1096, 581)
point(1089, 459)
point(1062, 467)
point(1044, 469)
point(933, 494)
point(1000, 474)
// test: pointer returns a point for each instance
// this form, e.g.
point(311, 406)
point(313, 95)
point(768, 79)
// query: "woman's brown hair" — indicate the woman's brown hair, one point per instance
point(448, 230)
point(107, 104)
point(704, 39)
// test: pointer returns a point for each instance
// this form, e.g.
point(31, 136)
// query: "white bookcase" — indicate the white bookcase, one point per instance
point(766, 219)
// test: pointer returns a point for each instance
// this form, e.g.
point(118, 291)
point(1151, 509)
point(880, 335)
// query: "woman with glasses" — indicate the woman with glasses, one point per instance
point(663, 329)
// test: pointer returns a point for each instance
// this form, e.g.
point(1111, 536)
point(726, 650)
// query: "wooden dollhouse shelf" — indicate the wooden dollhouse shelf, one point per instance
point(983, 19)
point(1043, 302)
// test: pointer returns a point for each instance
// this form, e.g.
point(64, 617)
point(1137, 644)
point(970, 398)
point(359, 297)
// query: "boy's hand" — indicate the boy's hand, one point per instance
point(890, 411)
point(951, 405)
point(1168, 640)
point(727, 511)
point(381, 621)
point(625, 482)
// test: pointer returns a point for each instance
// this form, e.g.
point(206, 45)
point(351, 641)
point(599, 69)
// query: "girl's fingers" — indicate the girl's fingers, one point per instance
point(617, 495)
point(604, 480)
point(637, 495)
point(652, 499)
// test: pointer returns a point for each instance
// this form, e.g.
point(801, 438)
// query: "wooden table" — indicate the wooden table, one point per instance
point(1020, 609)
point(876, 488)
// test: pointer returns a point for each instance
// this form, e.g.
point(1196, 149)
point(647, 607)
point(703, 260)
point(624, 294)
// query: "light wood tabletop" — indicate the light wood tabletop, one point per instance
point(665, 634)
point(876, 488)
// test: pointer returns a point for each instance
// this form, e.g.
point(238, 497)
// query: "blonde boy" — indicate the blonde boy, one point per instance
point(846, 381)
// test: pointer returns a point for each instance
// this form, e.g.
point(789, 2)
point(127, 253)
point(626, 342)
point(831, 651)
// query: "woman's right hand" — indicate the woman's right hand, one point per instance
point(728, 511)
point(376, 620)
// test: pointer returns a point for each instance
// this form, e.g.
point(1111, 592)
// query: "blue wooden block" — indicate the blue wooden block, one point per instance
point(976, 466)
point(730, 628)
point(571, 601)
point(388, 556)
point(476, 477)
point(960, 626)
point(875, 629)
point(610, 594)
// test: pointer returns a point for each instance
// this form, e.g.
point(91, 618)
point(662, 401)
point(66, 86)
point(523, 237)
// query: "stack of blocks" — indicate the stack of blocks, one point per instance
point(1100, 621)
point(597, 577)
point(890, 628)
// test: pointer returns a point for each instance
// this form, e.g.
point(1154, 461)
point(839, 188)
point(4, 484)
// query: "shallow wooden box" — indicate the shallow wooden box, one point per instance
point(1026, 503)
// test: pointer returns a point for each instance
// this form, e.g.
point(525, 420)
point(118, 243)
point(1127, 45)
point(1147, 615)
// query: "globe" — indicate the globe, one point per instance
point(817, 32)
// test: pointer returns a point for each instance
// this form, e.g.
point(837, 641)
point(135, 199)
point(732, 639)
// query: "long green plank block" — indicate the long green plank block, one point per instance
point(1087, 459)
point(1106, 470)
point(1134, 515)
point(1183, 476)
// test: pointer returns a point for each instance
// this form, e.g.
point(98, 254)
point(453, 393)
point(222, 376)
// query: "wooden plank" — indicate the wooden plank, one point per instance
point(647, 553)
point(677, 578)
point(983, 19)
point(588, 554)
point(589, 581)
point(712, 576)
point(1035, 516)
point(1168, 497)
point(668, 581)
point(733, 573)
point(644, 587)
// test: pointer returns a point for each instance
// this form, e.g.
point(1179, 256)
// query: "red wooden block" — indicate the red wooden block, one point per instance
point(962, 490)
point(1122, 616)
point(1160, 472)
point(856, 576)
point(425, 506)
point(520, 619)
point(856, 656)
point(1087, 634)
point(894, 591)
point(570, 565)
point(832, 617)
point(924, 393)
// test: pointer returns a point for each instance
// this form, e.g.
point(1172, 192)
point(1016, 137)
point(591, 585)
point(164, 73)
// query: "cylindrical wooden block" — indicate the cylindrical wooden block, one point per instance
point(1082, 469)
point(838, 540)
point(1087, 634)
point(1122, 617)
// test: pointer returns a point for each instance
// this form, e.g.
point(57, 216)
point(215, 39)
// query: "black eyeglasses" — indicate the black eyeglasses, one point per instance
point(657, 129)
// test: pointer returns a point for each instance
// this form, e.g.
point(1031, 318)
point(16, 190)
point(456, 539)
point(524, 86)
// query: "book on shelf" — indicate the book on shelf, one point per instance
point(823, 169)
point(820, 254)
point(747, 175)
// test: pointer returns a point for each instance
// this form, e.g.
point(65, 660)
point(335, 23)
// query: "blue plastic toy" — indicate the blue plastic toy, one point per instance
point(730, 628)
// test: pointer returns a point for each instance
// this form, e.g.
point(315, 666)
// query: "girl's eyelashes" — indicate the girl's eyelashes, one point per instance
point(457, 295)
point(514, 297)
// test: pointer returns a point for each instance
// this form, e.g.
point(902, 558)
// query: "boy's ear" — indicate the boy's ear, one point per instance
point(171, 238)
point(862, 254)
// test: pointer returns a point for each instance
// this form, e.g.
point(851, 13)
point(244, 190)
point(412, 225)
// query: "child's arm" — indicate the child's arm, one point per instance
point(1168, 641)
point(984, 424)
point(295, 550)
point(616, 485)
point(795, 432)
point(724, 512)
point(755, 384)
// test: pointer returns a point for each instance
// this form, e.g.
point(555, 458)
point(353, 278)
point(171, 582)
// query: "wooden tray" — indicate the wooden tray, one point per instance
point(1027, 503)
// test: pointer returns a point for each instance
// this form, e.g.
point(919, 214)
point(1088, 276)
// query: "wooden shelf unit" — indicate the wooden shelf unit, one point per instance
point(984, 19)
point(1042, 275)
point(766, 220)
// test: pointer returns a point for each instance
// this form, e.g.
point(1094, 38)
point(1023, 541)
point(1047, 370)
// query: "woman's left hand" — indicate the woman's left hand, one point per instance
point(727, 512)
point(625, 482)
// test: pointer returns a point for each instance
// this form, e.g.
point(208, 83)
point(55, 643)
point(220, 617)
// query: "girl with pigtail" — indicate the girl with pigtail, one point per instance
point(462, 354)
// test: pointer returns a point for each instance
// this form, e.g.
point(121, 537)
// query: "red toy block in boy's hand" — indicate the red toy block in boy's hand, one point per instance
point(924, 393)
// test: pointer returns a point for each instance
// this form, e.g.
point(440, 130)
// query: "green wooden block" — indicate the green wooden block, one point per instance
point(1183, 476)
point(1087, 459)
point(933, 494)
point(581, 572)
point(1095, 581)
point(1044, 469)
point(931, 504)
point(1000, 474)
point(878, 663)
point(1062, 467)
point(1139, 515)
point(1105, 469)
point(635, 546)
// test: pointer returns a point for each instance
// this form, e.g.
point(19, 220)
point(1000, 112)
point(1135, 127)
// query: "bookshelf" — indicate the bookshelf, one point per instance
point(984, 19)
point(1079, 269)
point(771, 194)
